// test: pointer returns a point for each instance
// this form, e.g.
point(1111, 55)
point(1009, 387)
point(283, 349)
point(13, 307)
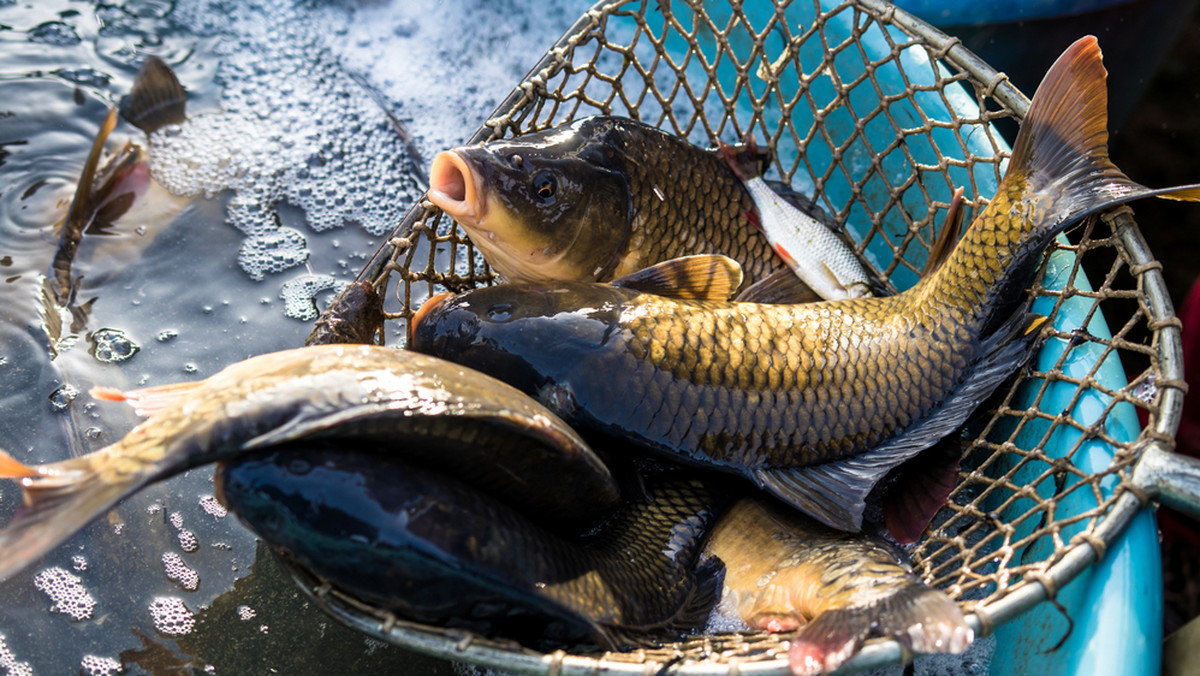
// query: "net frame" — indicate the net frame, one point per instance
point(1033, 506)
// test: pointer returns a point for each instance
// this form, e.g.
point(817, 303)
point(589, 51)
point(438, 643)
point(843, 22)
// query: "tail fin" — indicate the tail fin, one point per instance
point(148, 401)
point(922, 619)
point(157, 99)
point(59, 500)
point(1064, 141)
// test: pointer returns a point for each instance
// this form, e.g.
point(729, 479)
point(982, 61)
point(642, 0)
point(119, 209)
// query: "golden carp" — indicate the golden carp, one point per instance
point(784, 572)
point(816, 402)
point(425, 409)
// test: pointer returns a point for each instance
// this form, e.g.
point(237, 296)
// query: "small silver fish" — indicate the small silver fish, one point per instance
point(807, 246)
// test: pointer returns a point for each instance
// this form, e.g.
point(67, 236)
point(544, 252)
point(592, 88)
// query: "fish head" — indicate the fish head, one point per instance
point(532, 336)
point(549, 205)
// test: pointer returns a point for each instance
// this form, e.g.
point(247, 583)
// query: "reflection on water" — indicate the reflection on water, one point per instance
point(290, 168)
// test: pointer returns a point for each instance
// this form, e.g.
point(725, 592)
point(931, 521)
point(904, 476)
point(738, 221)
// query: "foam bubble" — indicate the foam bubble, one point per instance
point(211, 505)
point(171, 616)
point(245, 613)
point(299, 295)
point(95, 665)
point(178, 571)
point(9, 661)
point(110, 346)
point(294, 127)
point(67, 592)
point(79, 563)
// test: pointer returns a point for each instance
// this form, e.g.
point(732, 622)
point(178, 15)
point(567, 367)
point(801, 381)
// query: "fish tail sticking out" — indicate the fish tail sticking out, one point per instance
point(157, 99)
point(58, 500)
point(1063, 144)
point(921, 619)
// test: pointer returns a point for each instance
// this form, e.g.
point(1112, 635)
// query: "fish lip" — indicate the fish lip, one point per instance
point(457, 188)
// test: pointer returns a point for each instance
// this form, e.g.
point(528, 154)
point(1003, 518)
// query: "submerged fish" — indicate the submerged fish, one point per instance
point(595, 199)
point(806, 245)
point(784, 572)
point(434, 550)
point(424, 409)
point(815, 402)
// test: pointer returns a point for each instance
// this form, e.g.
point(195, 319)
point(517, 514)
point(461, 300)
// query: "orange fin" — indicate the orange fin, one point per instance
point(696, 277)
point(948, 235)
point(148, 401)
point(1062, 146)
point(11, 468)
point(57, 504)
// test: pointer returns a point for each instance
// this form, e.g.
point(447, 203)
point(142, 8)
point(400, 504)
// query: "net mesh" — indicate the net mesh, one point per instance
point(879, 125)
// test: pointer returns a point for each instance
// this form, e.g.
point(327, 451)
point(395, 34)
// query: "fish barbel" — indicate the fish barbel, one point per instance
point(432, 549)
point(595, 199)
point(430, 411)
point(813, 402)
point(784, 572)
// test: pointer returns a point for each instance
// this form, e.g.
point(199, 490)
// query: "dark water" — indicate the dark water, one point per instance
point(285, 177)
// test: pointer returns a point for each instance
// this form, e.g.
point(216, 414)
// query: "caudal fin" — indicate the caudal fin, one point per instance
point(1063, 142)
point(59, 500)
point(920, 618)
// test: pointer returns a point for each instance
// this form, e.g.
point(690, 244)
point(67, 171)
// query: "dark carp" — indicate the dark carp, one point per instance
point(432, 549)
point(815, 402)
point(401, 403)
point(596, 199)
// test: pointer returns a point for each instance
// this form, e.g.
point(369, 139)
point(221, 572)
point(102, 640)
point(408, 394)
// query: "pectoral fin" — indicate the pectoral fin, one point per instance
point(780, 287)
point(699, 277)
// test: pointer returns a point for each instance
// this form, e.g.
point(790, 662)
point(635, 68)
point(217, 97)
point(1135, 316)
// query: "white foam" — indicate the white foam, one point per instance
point(9, 661)
point(179, 572)
point(67, 592)
point(95, 665)
point(171, 616)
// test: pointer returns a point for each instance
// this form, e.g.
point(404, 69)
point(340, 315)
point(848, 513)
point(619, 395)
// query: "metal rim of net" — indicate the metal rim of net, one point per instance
point(1134, 278)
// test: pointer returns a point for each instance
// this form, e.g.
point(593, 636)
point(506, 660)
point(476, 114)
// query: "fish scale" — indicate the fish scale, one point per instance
point(847, 418)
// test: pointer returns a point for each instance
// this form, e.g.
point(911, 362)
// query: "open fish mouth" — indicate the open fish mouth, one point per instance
point(457, 188)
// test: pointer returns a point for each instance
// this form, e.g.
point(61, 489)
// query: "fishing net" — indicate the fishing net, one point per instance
point(879, 117)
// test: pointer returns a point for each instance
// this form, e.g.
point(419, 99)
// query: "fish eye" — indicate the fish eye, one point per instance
point(544, 187)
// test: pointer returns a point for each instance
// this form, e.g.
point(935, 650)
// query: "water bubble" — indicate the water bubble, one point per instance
point(93, 433)
point(62, 397)
point(167, 334)
point(79, 563)
point(67, 593)
point(95, 665)
point(54, 33)
point(9, 661)
point(85, 76)
point(272, 252)
point(188, 541)
point(299, 295)
point(178, 571)
point(171, 616)
point(190, 368)
point(110, 346)
point(1147, 390)
point(211, 505)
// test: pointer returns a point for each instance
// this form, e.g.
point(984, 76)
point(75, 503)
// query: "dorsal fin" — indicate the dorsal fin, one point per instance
point(745, 159)
point(699, 277)
point(157, 99)
point(781, 287)
point(948, 235)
